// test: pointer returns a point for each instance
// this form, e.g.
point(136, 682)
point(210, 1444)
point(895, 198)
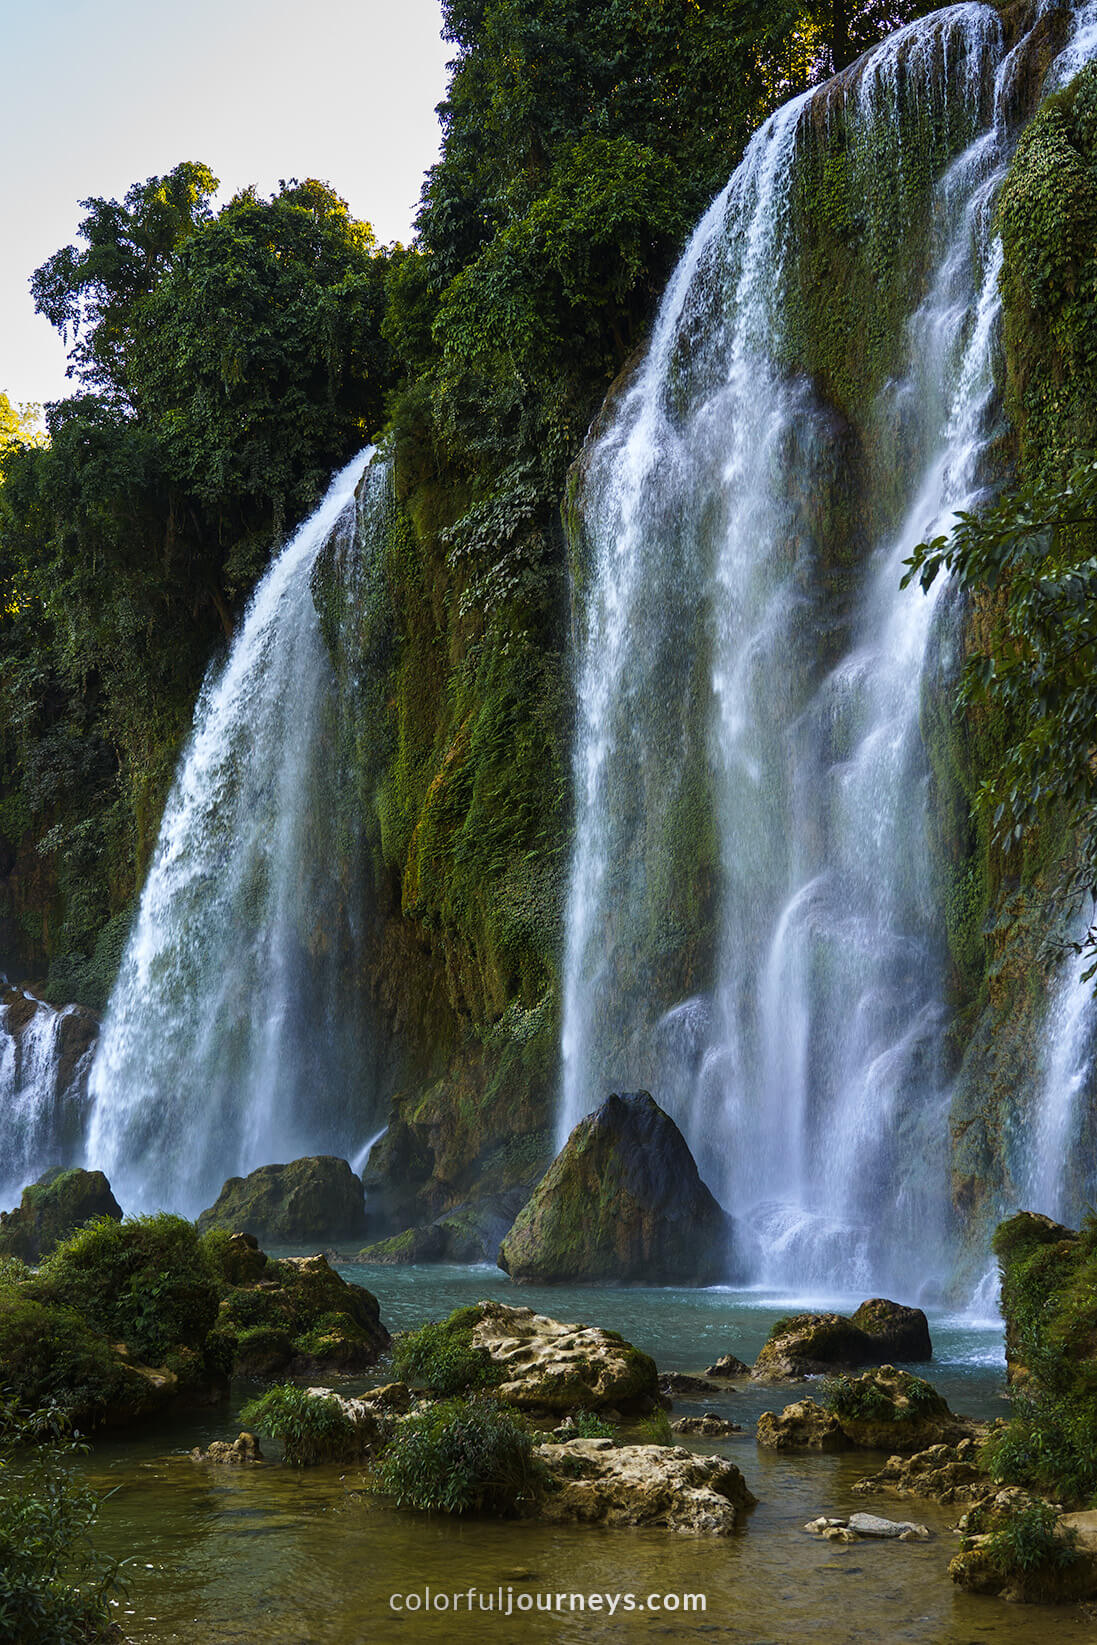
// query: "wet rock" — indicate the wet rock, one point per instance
point(802, 1426)
point(809, 1344)
point(600, 1483)
point(708, 1424)
point(875, 1525)
point(941, 1473)
point(555, 1367)
point(882, 1410)
point(51, 1209)
point(680, 1382)
point(622, 1201)
point(242, 1451)
point(728, 1366)
point(314, 1199)
point(1070, 1575)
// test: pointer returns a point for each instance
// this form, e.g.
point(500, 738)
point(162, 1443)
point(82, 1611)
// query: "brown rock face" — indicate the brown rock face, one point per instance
point(600, 1483)
point(622, 1201)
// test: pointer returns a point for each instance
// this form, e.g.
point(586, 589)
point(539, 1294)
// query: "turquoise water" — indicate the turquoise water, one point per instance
point(275, 1556)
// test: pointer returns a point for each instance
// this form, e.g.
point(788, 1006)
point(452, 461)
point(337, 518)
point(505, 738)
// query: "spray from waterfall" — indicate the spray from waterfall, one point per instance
point(232, 1038)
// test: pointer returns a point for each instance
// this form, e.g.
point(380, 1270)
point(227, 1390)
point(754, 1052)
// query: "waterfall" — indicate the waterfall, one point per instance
point(1053, 1179)
point(801, 1056)
point(45, 1057)
point(232, 1038)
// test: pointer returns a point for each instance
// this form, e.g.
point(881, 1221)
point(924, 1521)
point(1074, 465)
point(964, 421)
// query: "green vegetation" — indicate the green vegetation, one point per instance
point(54, 1588)
point(902, 1397)
point(310, 1428)
point(589, 1425)
point(1049, 1300)
point(656, 1429)
point(461, 1456)
point(441, 1358)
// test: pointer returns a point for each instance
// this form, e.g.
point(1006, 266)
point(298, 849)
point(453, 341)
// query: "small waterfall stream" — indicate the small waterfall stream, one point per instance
point(232, 1037)
point(805, 1069)
point(45, 1057)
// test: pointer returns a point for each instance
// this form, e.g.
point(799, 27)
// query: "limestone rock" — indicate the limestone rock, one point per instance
point(803, 1426)
point(882, 1410)
point(708, 1424)
point(242, 1451)
point(690, 1387)
point(622, 1201)
point(809, 1344)
point(942, 1473)
point(874, 1525)
point(728, 1366)
point(556, 1367)
point(53, 1208)
point(314, 1199)
point(600, 1483)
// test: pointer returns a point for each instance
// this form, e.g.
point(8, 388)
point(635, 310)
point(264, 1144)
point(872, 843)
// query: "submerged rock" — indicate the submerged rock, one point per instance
point(868, 1525)
point(317, 1198)
point(879, 1333)
point(51, 1209)
point(600, 1483)
point(546, 1365)
point(239, 1452)
point(623, 1201)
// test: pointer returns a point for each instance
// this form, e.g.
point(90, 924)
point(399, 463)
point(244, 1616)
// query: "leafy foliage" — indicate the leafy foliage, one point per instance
point(1032, 1542)
point(310, 1428)
point(441, 1358)
point(461, 1456)
point(55, 1589)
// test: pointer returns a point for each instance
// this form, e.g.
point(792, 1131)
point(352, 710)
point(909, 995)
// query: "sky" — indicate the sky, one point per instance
point(99, 94)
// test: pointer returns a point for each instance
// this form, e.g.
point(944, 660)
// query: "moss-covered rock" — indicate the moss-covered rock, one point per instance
point(293, 1315)
point(623, 1201)
point(807, 1344)
point(884, 1409)
point(317, 1198)
point(51, 1209)
point(467, 1233)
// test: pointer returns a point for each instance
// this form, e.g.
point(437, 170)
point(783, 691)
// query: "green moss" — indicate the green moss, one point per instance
point(441, 1358)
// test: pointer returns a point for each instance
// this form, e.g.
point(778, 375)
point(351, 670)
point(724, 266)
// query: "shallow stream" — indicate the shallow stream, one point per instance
point(227, 1556)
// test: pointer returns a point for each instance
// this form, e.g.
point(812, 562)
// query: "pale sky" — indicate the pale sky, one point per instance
point(99, 94)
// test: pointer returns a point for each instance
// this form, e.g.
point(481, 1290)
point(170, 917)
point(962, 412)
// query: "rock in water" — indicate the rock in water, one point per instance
point(548, 1365)
point(53, 1208)
point(623, 1200)
point(599, 1483)
point(315, 1198)
point(879, 1333)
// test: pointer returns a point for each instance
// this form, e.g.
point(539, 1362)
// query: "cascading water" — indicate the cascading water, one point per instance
point(804, 1070)
point(45, 1057)
point(1055, 1180)
point(232, 1037)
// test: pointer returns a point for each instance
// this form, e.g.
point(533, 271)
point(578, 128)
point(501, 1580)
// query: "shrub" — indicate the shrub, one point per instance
point(310, 1428)
point(902, 1398)
point(441, 1358)
point(146, 1282)
point(462, 1455)
point(54, 1588)
point(49, 1355)
point(656, 1429)
point(589, 1425)
point(1031, 1547)
point(1049, 1444)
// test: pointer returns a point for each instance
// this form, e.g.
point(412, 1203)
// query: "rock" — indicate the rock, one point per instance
point(243, 1450)
point(803, 1426)
point(467, 1233)
point(314, 1199)
point(882, 1410)
point(296, 1315)
point(896, 1332)
point(600, 1483)
point(728, 1366)
point(709, 1425)
point(680, 1382)
point(53, 1208)
point(554, 1367)
point(390, 1396)
point(809, 1344)
point(874, 1525)
point(979, 1567)
point(622, 1201)
point(942, 1473)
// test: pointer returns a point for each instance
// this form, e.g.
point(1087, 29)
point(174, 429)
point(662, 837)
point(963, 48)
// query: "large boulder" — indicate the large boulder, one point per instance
point(600, 1483)
point(623, 1201)
point(53, 1208)
point(546, 1365)
point(314, 1199)
point(879, 1333)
